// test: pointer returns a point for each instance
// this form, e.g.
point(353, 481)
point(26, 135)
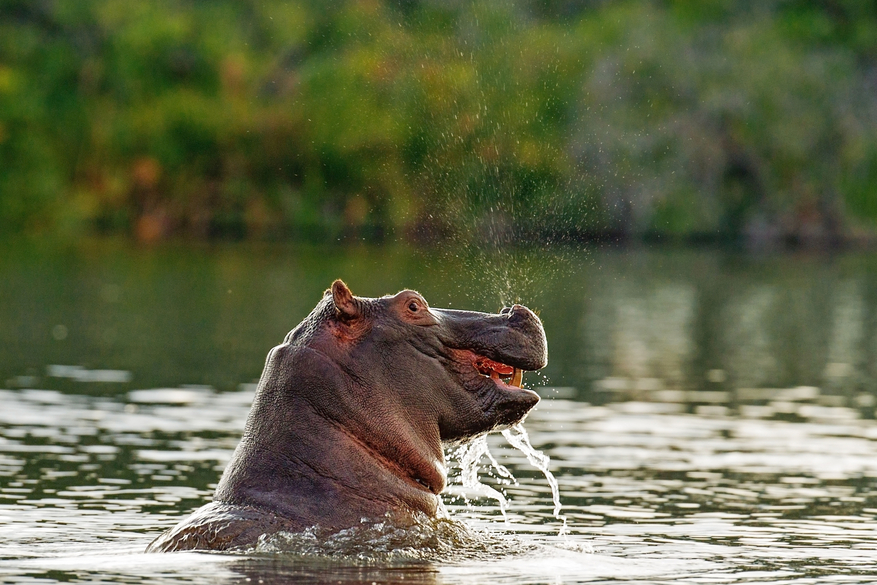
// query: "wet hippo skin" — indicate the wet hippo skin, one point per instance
point(352, 411)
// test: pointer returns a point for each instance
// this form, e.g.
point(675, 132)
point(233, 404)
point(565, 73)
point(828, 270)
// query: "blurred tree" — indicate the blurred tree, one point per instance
point(488, 120)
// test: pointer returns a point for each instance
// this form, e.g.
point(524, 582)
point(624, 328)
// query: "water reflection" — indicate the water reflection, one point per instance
point(660, 320)
point(640, 333)
point(723, 329)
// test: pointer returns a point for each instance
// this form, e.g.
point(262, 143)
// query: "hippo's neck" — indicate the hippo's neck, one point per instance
point(316, 472)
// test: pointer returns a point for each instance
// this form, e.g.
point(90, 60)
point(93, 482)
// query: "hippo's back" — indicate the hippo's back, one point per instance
point(220, 526)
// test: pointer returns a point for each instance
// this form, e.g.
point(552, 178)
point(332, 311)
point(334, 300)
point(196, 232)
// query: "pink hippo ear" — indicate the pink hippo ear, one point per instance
point(345, 304)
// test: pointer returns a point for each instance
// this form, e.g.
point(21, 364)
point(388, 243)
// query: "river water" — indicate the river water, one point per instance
point(709, 417)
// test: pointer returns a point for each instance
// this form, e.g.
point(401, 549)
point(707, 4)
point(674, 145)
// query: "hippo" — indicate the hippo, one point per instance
point(353, 409)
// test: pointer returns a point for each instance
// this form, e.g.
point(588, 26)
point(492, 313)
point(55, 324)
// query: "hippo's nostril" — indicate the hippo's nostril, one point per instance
point(520, 313)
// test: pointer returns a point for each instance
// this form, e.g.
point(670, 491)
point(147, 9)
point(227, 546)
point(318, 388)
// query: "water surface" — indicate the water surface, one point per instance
point(709, 417)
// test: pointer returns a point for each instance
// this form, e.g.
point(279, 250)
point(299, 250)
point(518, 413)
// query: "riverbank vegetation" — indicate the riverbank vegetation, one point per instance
point(717, 119)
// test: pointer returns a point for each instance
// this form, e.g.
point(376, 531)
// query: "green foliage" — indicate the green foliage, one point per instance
point(481, 119)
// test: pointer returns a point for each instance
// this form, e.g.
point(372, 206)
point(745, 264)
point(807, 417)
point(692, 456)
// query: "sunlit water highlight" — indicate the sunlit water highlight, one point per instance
point(650, 493)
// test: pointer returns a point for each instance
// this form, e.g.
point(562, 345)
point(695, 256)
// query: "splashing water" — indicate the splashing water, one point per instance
point(517, 437)
point(470, 454)
point(502, 470)
point(439, 540)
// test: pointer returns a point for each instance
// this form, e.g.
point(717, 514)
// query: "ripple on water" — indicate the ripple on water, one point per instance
point(660, 494)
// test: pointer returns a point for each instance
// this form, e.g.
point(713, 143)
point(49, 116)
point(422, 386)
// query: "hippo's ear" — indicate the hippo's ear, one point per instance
point(345, 304)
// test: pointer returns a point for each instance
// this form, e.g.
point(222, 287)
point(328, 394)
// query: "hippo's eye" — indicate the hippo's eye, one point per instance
point(413, 306)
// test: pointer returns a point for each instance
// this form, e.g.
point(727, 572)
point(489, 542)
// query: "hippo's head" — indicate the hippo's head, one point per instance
point(351, 412)
point(353, 408)
point(457, 373)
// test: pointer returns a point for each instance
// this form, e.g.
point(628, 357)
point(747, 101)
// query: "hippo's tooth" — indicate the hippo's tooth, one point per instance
point(518, 378)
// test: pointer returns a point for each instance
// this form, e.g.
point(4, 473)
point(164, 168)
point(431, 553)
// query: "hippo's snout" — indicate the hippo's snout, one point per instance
point(525, 322)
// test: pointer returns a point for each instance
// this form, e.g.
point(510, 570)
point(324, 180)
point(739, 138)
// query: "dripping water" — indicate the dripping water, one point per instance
point(518, 438)
point(470, 456)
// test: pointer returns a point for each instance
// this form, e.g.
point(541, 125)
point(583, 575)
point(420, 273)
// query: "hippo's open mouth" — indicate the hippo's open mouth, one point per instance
point(498, 389)
point(511, 376)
